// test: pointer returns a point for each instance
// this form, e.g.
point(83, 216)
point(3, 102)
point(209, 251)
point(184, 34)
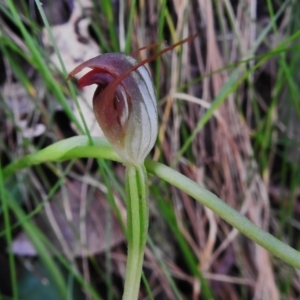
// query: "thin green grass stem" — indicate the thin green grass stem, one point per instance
point(137, 228)
point(8, 235)
point(35, 235)
point(147, 286)
point(129, 35)
point(40, 65)
point(165, 270)
point(107, 7)
point(71, 87)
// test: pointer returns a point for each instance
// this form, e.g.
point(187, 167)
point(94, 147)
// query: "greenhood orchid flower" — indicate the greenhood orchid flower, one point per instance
point(124, 103)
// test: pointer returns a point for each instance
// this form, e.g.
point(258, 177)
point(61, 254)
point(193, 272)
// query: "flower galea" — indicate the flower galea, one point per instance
point(124, 103)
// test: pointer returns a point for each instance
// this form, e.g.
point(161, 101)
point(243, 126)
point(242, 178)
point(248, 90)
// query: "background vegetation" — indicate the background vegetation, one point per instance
point(229, 119)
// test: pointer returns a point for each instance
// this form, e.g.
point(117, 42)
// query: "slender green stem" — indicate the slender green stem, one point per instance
point(233, 217)
point(63, 67)
point(137, 228)
point(8, 235)
point(41, 66)
point(78, 147)
point(36, 237)
point(130, 27)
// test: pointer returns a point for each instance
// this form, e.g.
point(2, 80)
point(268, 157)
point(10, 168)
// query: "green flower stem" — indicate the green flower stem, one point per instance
point(137, 228)
point(78, 147)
